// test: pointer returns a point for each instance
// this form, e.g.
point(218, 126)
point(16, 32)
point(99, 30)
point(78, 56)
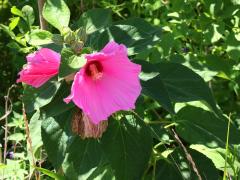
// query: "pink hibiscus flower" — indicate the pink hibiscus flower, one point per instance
point(41, 66)
point(108, 83)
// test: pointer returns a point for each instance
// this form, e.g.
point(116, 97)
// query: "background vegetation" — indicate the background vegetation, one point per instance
point(201, 35)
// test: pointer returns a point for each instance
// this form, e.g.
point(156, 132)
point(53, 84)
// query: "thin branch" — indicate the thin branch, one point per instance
point(82, 6)
point(29, 139)
point(43, 23)
point(188, 156)
point(227, 149)
point(8, 110)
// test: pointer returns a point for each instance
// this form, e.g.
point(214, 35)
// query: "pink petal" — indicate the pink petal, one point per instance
point(41, 66)
point(113, 47)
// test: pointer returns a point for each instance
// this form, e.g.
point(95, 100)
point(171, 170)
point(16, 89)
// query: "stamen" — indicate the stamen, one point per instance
point(95, 73)
point(94, 70)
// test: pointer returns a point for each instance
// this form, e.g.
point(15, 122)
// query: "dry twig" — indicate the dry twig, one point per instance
point(188, 156)
point(8, 110)
point(29, 140)
point(43, 23)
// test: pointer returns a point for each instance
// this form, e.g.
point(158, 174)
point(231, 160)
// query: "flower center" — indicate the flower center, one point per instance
point(94, 70)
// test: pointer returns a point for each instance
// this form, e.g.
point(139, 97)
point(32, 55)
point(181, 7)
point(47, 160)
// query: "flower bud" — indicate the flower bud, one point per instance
point(83, 126)
point(81, 34)
point(69, 38)
point(65, 31)
point(77, 46)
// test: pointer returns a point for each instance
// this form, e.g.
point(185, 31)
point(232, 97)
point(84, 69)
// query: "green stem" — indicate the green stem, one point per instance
point(226, 155)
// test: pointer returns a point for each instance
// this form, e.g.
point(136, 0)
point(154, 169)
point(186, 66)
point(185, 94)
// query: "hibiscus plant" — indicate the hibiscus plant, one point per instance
point(88, 91)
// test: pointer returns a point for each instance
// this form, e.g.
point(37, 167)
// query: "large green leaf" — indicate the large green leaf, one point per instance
point(87, 159)
point(135, 39)
point(198, 126)
point(55, 136)
point(156, 89)
point(180, 84)
point(85, 154)
point(57, 106)
point(35, 98)
point(167, 170)
point(56, 13)
point(176, 166)
point(95, 19)
point(56, 131)
point(217, 155)
point(35, 131)
point(127, 144)
point(140, 24)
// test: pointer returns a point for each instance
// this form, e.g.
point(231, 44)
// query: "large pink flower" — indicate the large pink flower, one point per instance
point(108, 83)
point(41, 66)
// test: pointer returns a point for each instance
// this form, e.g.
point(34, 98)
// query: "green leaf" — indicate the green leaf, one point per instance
point(233, 47)
point(56, 13)
point(135, 39)
point(55, 136)
point(138, 23)
point(181, 83)
point(40, 37)
point(155, 89)
point(16, 137)
point(219, 65)
point(28, 14)
point(16, 11)
point(87, 159)
point(14, 168)
point(196, 125)
point(213, 33)
point(127, 144)
point(70, 62)
point(50, 173)
point(95, 19)
point(35, 98)
point(166, 170)
point(7, 30)
point(35, 132)
point(14, 22)
point(176, 166)
point(57, 106)
point(217, 155)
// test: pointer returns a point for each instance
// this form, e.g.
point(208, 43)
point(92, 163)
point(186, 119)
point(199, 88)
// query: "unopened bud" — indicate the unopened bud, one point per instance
point(65, 31)
point(69, 38)
point(81, 34)
point(82, 125)
point(77, 46)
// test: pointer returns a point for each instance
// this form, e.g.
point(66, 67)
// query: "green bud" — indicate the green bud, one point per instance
point(81, 34)
point(69, 38)
point(77, 46)
point(65, 31)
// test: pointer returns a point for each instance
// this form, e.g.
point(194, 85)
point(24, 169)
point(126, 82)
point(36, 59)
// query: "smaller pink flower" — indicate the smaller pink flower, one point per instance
point(41, 66)
point(108, 83)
